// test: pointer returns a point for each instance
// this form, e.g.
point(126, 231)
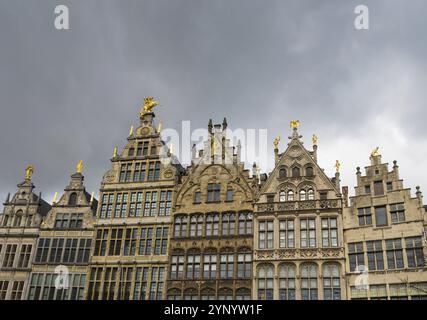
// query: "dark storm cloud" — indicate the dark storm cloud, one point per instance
point(70, 95)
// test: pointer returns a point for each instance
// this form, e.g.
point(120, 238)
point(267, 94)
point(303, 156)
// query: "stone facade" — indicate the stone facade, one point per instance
point(19, 230)
point(298, 242)
point(64, 246)
point(134, 219)
point(385, 235)
point(211, 246)
point(216, 231)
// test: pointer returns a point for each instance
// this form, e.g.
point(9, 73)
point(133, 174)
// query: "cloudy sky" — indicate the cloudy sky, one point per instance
point(70, 95)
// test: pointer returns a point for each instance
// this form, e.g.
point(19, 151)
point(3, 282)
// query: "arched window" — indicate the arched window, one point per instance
point(225, 294)
point(282, 173)
point(177, 265)
point(296, 172)
point(227, 264)
point(309, 171)
point(302, 195)
point(244, 264)
point(72, 200)
point(265, 282)
point(243, 294)
point(29, 220)
point(310, 194)
point(282, 196)
point(290, 195)
point(193, 264)
point(309, 282)
point(331, 282)
point(191, 294)
point(287, 282)
point(228, 224)
point(210, 264)
point(174, 294)
point(207, 294)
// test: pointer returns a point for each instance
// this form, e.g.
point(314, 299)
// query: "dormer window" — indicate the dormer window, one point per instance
point(72, 201)
point(131, 152)
point(309, 171)
point(389, 186)
point(282, 173)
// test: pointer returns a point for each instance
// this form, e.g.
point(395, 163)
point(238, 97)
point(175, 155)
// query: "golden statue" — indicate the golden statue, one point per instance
point(159, 128)
point(115, 152)
point(131, 131)
point(29, 171)
point(79, 166)
point(295, 124)
point(314, 139)
point(276, 142)
point(376, 152)
point(149, 104)
point(337, 165)
point(55, 197)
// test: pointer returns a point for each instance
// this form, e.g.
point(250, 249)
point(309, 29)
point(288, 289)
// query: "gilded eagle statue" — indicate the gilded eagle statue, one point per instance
point(294, 124)
point(149, 104)
point(376, 152)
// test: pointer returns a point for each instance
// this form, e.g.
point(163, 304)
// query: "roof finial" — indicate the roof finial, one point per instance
point(314, 140)
point(79, 166)
point(29, 171)
point(337, 165)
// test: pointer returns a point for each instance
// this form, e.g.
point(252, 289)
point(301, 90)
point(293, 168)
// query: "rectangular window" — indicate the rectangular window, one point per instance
point(414, 252)
point(365, 217)
point(368, 189)
point(115, 242)
point(17, 289)
point(375, 255)
point(381, 216)
point(3, 289)
point(165, 204)
point(107, 205)
point(197, 197)
point(135, 205)
point(150, 204)
point(129, 248)
point(323, 195)
point(229, 196)
point(308, 233)
point(329, 232)
point(389, 186)
point(209, 265)
point(146, 242)
point(394, 253)
point(356, 256)
point(9, 257)
point(24, 256)
point(141, 280)
point(214, 190)
point(265, 235)
point(139, 172)
point(101, 242)
point(378, 188)
point(286, 234)
point(397, 212)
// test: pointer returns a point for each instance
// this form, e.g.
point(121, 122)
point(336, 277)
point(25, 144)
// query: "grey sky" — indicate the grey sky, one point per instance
point(70, 95)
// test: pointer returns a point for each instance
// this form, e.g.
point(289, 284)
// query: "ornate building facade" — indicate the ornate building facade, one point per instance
point(61, 260)
point(19, 230)
point(211, 246)
point(134, 218)
point(385, 235)
point(215, 231)
point(298, 242)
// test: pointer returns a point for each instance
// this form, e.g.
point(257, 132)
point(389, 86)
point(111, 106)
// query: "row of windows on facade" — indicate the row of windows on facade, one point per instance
point(213, 194)
point(295, 172)
point(63, 250)
point(19, 219)
point(397, 214)
point(43, 287)
point(378, 187)
point(140, 171)
point(131, 241)
point(394, 254)
point(309, 282)
point(225, 264)
point(200, 225)
point(142, 149)
point(307, 233)
point(16, 292)
point(125, 283)
point(209, 294)
point(391, 291)
point(15, 255)
point(136, 204)
point(304, 194)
